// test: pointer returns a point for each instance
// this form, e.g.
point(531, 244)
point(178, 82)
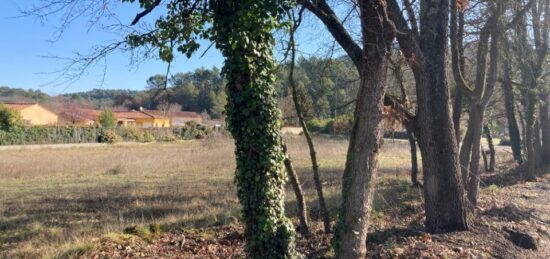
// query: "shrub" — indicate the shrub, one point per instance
point(9, 119)
point(147, 137)
point(342, 124)
point(316, 125)
point(130, 134)
point(108, 136)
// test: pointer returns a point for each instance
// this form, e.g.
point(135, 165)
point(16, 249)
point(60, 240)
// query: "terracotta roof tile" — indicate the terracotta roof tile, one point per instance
point(18, 106)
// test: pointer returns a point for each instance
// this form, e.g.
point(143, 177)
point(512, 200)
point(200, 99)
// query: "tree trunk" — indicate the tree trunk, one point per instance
point(523, 130)
point(513, 129)
point(482, 93)
point(545, 130)
point(312, 153)
point(350, 239)
point(253, 120)
point(466, 153)
point(297, 187)
point(443, 190)
point(492, 153)
point(538, 144)
point(457, 51)
point(475, 122)
point(484, 156)
point(414, 159)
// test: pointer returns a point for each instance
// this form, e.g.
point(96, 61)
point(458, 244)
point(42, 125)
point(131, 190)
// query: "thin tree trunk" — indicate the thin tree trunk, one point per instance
point(414, 159)
point(457, 51)
point(482, 93)
point(492, 153)
point(545, 130)
point(523, 131)
point(469, 151)
point(484, 156)
point(297, 187)
point(360, 173)
point(538, 143)
point(312, 153)
point(476, 118)
point(513, 129)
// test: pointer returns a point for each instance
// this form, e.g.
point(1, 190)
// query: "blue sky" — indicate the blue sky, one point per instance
point(26, 41)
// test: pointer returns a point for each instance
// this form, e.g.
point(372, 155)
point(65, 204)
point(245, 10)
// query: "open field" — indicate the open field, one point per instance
point(57, 199)
point(78, 201)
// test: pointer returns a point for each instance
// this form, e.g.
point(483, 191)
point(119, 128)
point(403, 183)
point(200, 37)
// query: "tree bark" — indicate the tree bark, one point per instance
point(414, 159)
point(297, 187)
point(513, 129)
point(457, 50)
point(545, 130)
point(492, 152)
point(445, 205)
point(484, 156)
point(362, 160)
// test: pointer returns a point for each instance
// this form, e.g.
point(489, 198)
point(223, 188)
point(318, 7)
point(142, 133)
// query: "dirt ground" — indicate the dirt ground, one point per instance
point(509, 214)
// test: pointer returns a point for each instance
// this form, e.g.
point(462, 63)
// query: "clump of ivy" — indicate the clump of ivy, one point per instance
point(242, 31)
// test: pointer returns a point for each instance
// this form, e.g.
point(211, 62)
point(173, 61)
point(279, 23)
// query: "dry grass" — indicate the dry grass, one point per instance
point(53, 202)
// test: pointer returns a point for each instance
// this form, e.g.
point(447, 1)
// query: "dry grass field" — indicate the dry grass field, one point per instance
point(58, 200)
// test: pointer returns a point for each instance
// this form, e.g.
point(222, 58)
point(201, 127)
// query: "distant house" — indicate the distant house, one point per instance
point(142, 119)
point(34, 114)
point(179, 118)
point(79, 116)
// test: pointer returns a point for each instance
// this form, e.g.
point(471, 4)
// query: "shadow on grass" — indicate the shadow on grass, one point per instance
point(510, 177)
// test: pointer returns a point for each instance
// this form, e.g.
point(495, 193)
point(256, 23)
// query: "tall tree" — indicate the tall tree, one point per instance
point(485, 81)
point(242, 30)
point(425, 50)
point(509, 104)
point(532, 59)
point(362, 160)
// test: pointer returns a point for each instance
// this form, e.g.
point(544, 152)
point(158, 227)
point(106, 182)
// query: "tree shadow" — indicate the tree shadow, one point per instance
point(510, 213)
point(510, 177)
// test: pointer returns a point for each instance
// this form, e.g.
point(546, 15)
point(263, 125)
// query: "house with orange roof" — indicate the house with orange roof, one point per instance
point(80, 116)
point(34, 114)
point(180, 118)
point(142, 119)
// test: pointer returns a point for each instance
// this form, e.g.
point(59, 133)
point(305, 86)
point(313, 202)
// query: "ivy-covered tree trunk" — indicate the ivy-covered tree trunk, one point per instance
point(378, 32)
point(242, 30)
